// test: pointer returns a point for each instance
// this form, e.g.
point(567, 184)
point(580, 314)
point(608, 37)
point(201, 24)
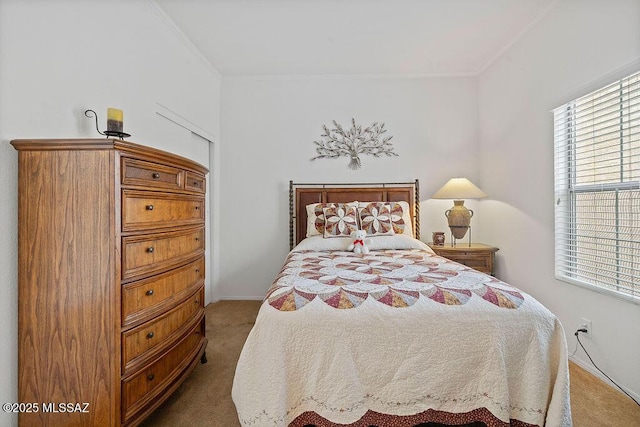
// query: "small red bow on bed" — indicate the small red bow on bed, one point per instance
point(355, 242)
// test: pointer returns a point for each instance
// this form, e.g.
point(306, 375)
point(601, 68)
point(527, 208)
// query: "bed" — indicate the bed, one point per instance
point(395, 337)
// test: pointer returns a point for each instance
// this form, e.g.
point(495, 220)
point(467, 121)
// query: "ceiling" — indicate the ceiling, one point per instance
point(352, 37)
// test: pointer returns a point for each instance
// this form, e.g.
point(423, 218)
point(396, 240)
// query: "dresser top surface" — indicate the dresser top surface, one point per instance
point(462, 247)
point(124, 147)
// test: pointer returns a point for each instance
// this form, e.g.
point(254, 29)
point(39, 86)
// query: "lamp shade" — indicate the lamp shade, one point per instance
point(458, 189)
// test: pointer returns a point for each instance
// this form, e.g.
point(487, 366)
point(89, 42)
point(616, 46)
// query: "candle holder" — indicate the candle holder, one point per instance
point(109, 132)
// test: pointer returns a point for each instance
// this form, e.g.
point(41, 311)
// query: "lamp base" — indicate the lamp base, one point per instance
point(454, 239)
point(459, 218)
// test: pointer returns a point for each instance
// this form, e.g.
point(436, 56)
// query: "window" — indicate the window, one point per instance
point(597, 189)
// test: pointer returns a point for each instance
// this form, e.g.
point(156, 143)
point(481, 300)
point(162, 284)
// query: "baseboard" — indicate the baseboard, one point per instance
point(239, 298)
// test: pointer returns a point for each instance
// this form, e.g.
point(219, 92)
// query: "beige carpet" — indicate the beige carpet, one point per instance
point(204, 399)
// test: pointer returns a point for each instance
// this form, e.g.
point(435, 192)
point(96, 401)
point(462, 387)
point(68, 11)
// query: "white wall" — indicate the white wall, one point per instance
point(578, 46)
point(58, 59)
point(269, 126)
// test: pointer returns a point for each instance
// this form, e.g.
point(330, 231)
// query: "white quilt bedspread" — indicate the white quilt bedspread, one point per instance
point(399, 332)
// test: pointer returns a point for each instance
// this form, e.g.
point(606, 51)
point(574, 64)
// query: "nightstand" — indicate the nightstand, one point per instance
point(477, 256)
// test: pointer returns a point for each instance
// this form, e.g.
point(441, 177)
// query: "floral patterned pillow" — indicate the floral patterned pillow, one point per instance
point(401, 221)
point(340, 221)
point(315, 216)
point(401, 218)
point(375, 219)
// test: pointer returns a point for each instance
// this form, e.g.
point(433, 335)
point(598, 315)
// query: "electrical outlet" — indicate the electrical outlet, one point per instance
point(585, 324)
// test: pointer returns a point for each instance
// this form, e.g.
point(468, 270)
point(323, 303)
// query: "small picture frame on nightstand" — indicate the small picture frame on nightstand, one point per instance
point(438, 238)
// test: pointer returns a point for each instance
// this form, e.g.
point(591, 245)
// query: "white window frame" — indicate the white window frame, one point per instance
point(569, 263)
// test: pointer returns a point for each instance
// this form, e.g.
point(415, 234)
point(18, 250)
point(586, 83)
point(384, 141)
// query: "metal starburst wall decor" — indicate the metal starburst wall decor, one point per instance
point(337, 142)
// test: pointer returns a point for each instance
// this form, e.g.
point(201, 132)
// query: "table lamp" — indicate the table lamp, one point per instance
point(459, 216)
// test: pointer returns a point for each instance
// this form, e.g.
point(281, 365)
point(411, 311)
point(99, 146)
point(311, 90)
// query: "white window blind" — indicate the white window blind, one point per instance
point(597, 189)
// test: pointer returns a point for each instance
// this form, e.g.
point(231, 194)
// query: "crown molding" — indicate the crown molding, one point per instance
point(280, 77)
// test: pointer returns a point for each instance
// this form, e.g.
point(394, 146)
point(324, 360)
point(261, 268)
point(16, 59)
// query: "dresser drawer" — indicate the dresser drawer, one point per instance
point(148, 174)
point(144, 210)
point(474, 255)
point(477, 261)
point(144, 299)
point(147, 340)
point(153, 253)
point(195, 182)
point(149, 384)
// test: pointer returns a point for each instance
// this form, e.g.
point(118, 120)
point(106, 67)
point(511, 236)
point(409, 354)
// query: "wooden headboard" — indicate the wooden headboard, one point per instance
point(301, 195)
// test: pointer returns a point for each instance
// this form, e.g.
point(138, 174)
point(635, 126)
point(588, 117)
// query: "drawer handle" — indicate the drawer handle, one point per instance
point(155, 175)
point(197, 207)
point(197, 271)
point(149, 207)
point(197, 239)
point(195, 183)
point(149, 292)
point(150, 335)
point(150, 377)
point(150, 249)
point(197, 301)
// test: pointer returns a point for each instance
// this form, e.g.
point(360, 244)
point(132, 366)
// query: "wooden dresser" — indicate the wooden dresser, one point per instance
point(110, 280)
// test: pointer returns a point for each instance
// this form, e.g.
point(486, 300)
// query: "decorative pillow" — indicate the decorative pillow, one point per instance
point(401, 218)
point(375, 219)
point(315, 216)
point(340, 221)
